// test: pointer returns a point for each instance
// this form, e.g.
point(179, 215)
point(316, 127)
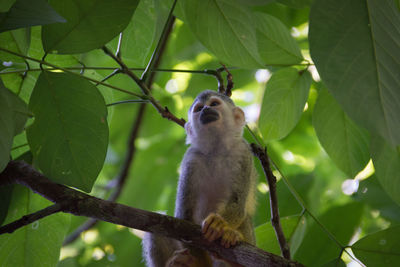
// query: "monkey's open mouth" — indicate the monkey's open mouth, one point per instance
point(208, 115)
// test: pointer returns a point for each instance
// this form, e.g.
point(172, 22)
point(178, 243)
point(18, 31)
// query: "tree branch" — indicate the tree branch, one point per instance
point(164, 112)
point(273, 198)
point(81, 204)
point(30, 218)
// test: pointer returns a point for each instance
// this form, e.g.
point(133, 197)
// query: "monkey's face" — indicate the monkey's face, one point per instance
point(208, 112)
point(212, 116)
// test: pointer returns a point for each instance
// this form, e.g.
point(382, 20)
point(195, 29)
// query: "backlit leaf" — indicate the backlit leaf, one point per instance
point(283, 103)
point(37, 244)
point(13, 115)
point(275, 44)
point(379, 249)
point(226, 28)
point(317, 247)
point(346, 143)
point(387, 166)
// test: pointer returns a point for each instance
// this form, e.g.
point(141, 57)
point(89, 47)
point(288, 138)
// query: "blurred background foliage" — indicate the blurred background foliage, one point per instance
point(326, 202)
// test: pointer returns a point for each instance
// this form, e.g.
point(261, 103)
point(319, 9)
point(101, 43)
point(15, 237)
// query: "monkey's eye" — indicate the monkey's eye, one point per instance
point(198, 108)
point(214, 103)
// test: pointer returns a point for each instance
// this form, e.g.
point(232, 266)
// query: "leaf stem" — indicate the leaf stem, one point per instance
point(127, 101)
point(71, 72)
point(16, 147)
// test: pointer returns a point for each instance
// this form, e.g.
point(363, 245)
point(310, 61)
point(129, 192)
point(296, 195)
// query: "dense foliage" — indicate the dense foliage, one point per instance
point(332, 129)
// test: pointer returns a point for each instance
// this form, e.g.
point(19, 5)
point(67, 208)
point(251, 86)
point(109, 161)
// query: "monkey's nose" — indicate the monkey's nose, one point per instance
point(208, 115)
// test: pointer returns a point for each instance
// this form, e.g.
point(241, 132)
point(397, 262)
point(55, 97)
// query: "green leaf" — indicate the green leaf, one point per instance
point(296, 3)
point(91, 24)
point(345, 142)
point(275, 44)
point(26, 13)
point(5, 199)
point(335, 263)
point(355, 45)
point(288, 205)
point(5, 5)
point(283, 103)
point(226, 28)
point(379, 249)
point(139, 36)
point(37, 244)
point(69, 136)
point(266, 237)
point(17, 41)
point(13, 116)
point(387, 167)
point(371, 192)
point(317, 247)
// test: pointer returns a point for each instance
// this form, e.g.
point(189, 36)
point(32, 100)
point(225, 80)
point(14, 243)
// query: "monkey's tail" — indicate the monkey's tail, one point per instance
point(158, 249)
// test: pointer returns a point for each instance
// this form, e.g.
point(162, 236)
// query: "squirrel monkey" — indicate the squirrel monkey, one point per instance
point(216, 187)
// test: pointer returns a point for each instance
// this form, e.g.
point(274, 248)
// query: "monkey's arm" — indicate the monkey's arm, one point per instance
point(185, 197)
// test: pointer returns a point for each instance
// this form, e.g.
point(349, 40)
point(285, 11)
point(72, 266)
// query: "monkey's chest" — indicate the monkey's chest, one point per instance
point(215, 188)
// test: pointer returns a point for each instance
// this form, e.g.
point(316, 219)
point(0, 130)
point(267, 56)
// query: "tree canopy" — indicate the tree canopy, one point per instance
point(94, 94)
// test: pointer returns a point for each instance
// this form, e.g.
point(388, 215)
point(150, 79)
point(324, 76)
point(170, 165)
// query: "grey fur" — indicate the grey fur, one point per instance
point(217, 176)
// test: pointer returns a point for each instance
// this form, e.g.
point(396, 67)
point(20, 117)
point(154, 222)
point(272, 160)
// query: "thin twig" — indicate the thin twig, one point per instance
point(207, 72)
point(30, 218)
point(127, 102)
point(164, 112)
point(229, 79)
point(71, 72)
point(164, 35)
point(271, 179)
point(115, 72)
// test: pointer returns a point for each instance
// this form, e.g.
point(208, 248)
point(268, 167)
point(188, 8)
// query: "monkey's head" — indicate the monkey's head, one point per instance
point(213, 115)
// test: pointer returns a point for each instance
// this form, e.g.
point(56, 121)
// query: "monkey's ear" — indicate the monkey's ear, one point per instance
point(238, 114)
point(189, 131)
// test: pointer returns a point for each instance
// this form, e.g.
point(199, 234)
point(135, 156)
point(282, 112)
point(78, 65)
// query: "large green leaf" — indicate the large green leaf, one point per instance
point(226, 28)
point(379, 249)
point(296, 3)
point(139, 36)
point(317, 247)
point(37, 244)
point(69, 136)
point(371, 193)
point(283, 103)
point(5, 5)
point(387, 166)
point(13, 115)
point(345, 142)
point(26, 13)
point(275, 44)
point(355, 46)
point(91, 24)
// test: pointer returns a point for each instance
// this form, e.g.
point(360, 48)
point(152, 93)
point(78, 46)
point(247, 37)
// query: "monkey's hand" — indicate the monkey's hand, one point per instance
point(181, 258)
point(214, 227)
